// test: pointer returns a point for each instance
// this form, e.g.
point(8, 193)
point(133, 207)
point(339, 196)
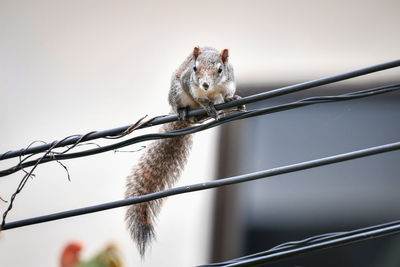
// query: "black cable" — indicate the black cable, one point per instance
point(207, 185)
point(211, 124)
point(304, 242)
point(201, 112)
point(312, 244)
point(280, 247)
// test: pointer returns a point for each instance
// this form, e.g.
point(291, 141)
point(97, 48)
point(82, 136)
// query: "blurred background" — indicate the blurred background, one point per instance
point(70, 67)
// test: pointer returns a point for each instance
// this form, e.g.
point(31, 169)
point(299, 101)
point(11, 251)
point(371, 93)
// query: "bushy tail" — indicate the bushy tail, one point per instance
point(158, 168)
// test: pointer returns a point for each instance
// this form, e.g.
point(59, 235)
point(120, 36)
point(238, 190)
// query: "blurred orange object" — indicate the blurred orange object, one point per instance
point(108, 257)
point(70, 257)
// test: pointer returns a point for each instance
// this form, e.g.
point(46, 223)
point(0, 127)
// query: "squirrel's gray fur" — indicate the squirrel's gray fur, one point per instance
point(205, 78)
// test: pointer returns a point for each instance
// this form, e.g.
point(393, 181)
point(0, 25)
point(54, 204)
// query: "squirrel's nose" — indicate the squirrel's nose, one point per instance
point(205, 85)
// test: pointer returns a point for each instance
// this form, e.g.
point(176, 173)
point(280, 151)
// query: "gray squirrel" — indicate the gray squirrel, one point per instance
point(204, 79)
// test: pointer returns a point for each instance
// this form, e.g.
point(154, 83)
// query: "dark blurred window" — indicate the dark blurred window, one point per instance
point(255, 216)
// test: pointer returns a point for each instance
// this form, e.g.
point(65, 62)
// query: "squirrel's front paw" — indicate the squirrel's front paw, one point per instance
point(182, 116)
point(212, 112)
point(236, 97)
point(182, 113)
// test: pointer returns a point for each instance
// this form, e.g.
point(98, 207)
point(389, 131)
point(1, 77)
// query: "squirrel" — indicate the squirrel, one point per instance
point(204, 79)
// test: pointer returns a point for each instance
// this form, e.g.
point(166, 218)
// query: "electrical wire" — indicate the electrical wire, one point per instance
point(202, 186)
point(200, 112)
point(210, 124)
point(310, 244)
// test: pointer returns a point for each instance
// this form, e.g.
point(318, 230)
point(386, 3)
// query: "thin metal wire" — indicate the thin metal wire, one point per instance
point(200, 112)
point(211, 124)
point(202, 186)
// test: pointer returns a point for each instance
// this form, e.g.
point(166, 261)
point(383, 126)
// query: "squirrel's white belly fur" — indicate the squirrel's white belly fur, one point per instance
point(187, 101)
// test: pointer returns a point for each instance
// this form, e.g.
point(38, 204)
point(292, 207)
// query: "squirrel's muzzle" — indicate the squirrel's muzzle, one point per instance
point(205, 85)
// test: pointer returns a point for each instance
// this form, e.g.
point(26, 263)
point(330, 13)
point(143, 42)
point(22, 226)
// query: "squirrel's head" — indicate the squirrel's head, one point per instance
point(210, 67)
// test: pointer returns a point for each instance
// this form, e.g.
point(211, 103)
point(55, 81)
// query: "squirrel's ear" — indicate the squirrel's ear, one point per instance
point(224, 55)
point(196, 52)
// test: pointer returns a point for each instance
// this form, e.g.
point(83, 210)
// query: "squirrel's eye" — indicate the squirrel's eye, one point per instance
point(194, 68)
point(220, 69)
